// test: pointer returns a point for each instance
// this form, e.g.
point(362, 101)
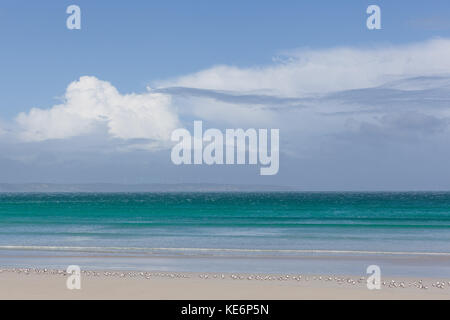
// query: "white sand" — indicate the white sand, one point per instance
point(15, 284)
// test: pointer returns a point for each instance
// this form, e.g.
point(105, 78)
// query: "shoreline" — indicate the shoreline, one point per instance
point(33, 283)
point(119, 250)
point(391, 265)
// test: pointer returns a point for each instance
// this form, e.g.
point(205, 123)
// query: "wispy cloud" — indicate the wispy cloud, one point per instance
point(308, 72)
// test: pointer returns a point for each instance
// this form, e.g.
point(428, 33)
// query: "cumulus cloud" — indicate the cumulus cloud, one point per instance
point(90, 104)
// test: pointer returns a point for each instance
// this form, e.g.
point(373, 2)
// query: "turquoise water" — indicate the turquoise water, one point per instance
point(266, 225)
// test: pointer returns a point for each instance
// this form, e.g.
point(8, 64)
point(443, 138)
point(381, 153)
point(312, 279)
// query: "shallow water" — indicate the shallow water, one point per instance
point(270, 232)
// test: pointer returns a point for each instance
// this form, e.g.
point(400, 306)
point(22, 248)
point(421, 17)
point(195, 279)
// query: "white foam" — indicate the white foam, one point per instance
point(299, 251)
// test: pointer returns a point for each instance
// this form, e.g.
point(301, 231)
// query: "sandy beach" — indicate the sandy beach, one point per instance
point(51, 284)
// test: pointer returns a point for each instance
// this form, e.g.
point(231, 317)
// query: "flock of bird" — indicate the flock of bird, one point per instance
point(420, 284)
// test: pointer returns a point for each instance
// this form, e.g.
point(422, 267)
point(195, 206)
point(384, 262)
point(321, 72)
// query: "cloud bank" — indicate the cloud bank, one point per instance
point(305, 72)
point(300, 93)
point(383, 107)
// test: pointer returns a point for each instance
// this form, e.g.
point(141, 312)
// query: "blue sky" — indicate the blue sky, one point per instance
point(167, 44)
point(131, 44)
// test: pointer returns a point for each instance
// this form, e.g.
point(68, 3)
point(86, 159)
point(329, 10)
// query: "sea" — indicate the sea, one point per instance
point(405, 233)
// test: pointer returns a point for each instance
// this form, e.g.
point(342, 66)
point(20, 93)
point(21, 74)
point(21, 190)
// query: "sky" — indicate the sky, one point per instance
point(357, 109)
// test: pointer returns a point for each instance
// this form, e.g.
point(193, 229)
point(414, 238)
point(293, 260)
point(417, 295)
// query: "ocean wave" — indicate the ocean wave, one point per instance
point(225, 250)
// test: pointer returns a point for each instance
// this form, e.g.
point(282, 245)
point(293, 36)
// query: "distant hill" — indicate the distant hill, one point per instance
point(107, 187)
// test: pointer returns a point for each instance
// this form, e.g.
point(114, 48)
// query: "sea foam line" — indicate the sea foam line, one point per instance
point(96, 249)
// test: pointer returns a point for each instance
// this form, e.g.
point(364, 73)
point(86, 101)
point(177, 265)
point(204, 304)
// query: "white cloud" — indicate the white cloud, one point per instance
point(313, 95)
point(90, 104)
point(316, 95)
point(307, 72)
point(346, 116)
